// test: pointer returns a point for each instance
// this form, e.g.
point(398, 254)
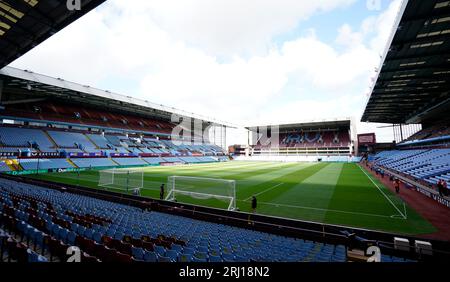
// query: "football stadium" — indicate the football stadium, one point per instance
point(114, 178)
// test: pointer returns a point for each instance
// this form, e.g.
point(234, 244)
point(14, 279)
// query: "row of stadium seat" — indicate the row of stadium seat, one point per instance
point(57, 163)
point(316, 139)
point(50, 111)
point(429, 165)
point(14, 138)
point(105, 229)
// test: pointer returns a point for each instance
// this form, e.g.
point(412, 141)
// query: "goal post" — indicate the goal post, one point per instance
point(121, 179)
point(202, 188)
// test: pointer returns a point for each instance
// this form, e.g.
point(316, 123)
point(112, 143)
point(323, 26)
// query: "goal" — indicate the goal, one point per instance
point(202, 188)
point(121, 179)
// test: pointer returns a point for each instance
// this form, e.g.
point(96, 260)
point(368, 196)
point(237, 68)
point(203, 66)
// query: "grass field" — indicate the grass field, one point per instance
point(333, 193)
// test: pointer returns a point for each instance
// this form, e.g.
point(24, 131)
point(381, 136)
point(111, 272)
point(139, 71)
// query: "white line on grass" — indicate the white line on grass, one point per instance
point(268, 189)
point(379, 189)
point(328, 210)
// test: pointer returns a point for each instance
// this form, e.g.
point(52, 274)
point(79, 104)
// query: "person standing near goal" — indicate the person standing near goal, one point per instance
point(161, 192)
point(254, 204)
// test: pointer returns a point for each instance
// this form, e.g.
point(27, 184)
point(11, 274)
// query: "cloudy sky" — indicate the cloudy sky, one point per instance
point(244, 61)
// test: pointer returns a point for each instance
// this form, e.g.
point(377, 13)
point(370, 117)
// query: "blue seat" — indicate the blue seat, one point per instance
point(81, 229)
point(55, 230)
point(214, 252)
point(186, 258)
point(201, 255)
point(188, 250)
point(97, 237)
point(177, 248)
point(110, 232)
point(74, 227)
point(196, 259)
point(34, 257)
point(89, 233)
point(71, 237)
point(241, 259)
point(228, 257)
point(137, 253)
point(164, 259)
point(118, 235)
point(38, 240)
point(63, 234)
point(172, 254)
point(203, 249)
point(160, 250)
point(215, 259)
point(150, 256)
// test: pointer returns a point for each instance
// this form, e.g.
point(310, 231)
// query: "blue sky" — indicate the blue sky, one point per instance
point(246, 62)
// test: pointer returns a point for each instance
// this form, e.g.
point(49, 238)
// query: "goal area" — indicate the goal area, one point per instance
point(121, 179)
point(199, 190)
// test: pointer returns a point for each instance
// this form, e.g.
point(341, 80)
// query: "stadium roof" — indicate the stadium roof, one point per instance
point(23, 86)
point(26, 23)
point(413, 81)
point(312, 124)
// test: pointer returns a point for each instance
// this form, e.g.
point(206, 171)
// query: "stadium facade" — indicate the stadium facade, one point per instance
point(314, 141)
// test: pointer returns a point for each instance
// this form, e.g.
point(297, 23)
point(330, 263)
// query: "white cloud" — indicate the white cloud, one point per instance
point(229, 27)
point(173, 53)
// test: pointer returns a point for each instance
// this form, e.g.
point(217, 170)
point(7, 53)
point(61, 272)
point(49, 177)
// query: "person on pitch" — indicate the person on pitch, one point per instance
point(161, 192)
point(254, 204)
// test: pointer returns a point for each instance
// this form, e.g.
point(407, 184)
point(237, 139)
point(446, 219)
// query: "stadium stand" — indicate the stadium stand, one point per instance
point(72, 140)
point(428, 165)
point(25, 138)
point(99, 140)
point(129, 161)
point(36, 164)
point(48, 221)
point(316, 139)
point(89, 150)
point(327, 140)
point(85, 115)
point(93, 162)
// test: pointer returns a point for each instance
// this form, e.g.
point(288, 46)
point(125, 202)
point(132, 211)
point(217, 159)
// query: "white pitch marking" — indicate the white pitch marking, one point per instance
point(326, 210)
point(379, 189)
point(268, 189)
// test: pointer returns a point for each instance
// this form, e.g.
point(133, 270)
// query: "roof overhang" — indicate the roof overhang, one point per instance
point(30, 86)
point(414, 75)
point(312, 124)
point(24, 24)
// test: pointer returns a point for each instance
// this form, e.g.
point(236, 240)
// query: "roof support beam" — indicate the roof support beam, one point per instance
point(24, 101)
point(421, 40)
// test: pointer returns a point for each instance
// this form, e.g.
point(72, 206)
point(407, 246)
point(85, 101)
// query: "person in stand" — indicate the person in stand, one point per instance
point(440, 187)
point(397, 185)
point(161, 192)
point(254, 204)
point(444, 187)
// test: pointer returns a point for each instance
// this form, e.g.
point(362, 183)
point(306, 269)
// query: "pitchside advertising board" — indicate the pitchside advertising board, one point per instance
point(366, 139)
point(31, 155)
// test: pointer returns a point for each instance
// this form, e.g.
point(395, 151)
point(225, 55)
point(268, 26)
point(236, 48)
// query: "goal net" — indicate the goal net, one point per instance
point(198, 189)
point(121, 179)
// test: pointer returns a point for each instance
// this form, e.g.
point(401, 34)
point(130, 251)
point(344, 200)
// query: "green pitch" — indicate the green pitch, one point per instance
point(333, 193)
